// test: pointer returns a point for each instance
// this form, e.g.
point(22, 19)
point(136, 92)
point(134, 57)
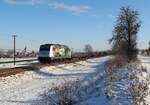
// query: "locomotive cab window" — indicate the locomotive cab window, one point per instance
point(44, 48)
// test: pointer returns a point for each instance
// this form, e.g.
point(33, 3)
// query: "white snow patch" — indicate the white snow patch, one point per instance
point(18, 64)
point(145, 60)
point(24, 89)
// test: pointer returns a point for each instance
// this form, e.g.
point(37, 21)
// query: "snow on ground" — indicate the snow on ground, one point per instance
point(145, 60)
point(25, 89)
point(116, 88)
point(18, 64)
point(11, 59)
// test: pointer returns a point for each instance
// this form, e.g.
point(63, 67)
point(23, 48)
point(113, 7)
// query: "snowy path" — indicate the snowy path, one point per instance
point(24, 89)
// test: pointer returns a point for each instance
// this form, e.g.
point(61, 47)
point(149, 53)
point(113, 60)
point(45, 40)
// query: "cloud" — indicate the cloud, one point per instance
point(71, 8)
point(76, 9)
point(29, 2)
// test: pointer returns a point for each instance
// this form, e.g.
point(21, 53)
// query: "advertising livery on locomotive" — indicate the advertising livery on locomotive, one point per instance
point(50, 52)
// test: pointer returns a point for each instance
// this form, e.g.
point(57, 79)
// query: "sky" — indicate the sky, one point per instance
point(70, 22)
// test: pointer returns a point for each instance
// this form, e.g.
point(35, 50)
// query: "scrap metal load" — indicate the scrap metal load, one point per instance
point(49, 52)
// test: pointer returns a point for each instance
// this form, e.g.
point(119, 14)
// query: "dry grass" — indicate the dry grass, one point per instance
point(66, 94)
point(138, 89)
point(74, 92)
point(115, 63)
point(138, 92)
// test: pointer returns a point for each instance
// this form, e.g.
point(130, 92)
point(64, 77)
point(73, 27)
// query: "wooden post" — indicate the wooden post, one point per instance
point(14, 37)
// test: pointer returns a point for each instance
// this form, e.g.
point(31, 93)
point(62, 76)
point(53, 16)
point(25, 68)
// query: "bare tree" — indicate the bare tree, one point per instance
point(149, 47)
point(88, 48)
point(125, 33)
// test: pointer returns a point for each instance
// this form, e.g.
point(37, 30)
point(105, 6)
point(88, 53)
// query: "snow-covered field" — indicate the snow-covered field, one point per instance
point(25, 89)
point(18, 64)
point(11, 59)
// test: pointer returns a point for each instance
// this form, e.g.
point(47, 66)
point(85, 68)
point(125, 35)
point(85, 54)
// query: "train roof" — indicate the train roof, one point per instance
point(55, 44)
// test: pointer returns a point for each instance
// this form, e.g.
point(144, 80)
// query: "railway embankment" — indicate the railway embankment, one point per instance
point(30, 66)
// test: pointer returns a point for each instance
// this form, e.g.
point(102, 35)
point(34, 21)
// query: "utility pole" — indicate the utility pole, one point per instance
point(149, 45)
point(14, 37)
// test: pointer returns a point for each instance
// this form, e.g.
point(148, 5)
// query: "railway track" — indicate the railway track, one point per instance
point(27, 60)
point(4, 72)
point(15, 70)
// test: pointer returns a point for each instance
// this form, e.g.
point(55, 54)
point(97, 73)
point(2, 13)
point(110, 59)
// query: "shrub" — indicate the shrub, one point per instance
point(115, 63)
point(67, 93)
point(138, 91)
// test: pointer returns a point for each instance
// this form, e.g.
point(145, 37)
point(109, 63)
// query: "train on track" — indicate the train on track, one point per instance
point(51, 52)
point(57, 52)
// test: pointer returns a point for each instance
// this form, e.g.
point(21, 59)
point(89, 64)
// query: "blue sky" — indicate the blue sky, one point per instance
point(70, 22)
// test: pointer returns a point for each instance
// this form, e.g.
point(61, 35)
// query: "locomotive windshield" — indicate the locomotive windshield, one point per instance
point(45, 48)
